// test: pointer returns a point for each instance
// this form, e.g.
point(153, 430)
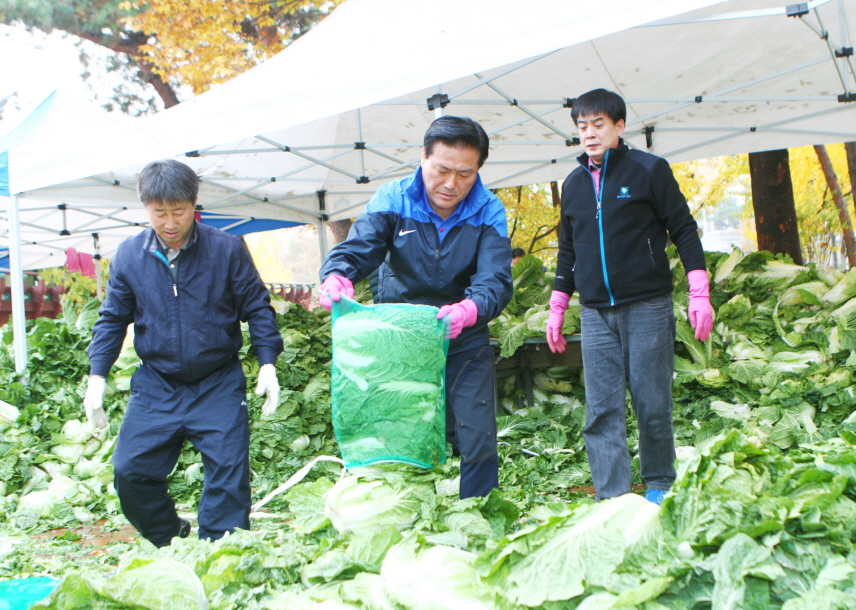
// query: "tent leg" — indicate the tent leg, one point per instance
point(322, 239)
point(98, 289)
point(97, 257)
point(16, 272)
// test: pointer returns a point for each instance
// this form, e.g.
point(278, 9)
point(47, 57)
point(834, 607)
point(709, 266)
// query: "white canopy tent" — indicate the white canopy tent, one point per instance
point(310, 134)
point(344, 108)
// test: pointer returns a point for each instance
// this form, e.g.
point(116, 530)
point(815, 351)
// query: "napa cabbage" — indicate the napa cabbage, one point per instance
point(359, 503)
point(388, 383)
point(558, 559)
point(434, 578)
point(8, 413)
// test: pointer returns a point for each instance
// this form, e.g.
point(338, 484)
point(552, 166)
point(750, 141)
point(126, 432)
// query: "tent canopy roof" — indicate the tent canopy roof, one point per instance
point(314, 131)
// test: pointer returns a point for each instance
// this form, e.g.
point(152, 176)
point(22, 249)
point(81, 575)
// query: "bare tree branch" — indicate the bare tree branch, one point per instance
point(538, 236)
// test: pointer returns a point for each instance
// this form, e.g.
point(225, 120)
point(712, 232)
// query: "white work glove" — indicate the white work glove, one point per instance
point(268, 384)
point(93, 401)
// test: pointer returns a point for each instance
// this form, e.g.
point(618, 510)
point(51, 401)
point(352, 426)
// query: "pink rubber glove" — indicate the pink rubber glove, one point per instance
point(700, 312)
point(558, 306)
point(461, 315)
point(335, 287)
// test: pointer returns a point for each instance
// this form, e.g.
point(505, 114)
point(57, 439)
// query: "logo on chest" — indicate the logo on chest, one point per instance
point(624, 192)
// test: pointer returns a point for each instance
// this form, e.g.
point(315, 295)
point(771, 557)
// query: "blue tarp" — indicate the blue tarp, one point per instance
point(21, 593)
point(4, 174)
point(21, 133)
point(253, 225)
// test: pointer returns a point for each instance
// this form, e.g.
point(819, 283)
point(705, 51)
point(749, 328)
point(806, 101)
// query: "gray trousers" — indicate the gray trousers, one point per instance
point(629, 344)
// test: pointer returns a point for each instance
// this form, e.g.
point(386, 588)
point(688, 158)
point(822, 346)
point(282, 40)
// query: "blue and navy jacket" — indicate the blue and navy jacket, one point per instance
point(612, 247)
point(187, 327)
point(396, 236)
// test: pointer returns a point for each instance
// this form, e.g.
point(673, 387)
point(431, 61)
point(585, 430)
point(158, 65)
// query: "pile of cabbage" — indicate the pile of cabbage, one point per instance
point(746, 525)
point(55, 468)
point(760, 518)
point(71, 482)
point(781, 355)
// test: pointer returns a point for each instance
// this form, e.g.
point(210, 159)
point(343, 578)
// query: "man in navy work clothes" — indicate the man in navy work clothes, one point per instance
point(186, 287)
point(439, 237)
point(618, 210)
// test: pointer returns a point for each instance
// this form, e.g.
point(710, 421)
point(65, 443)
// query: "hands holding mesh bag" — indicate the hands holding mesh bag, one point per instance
point(460, 315)
point(334, 288)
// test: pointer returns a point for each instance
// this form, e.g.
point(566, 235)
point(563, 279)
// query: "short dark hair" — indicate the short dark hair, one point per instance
point(458, 132)
point(167, 181)
point(517, 252)
point(599, 101)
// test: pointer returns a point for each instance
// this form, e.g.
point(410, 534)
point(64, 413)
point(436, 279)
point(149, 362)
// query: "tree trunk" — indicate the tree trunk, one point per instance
point(838, 198)
point(557, 203)
point(773, 200)
point(163, 88)
point(130, 45)
point(340, 228)
point(850, 149)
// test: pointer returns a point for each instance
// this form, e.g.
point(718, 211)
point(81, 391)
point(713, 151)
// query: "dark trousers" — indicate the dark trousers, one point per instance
point(161, 413)
point(471, 418)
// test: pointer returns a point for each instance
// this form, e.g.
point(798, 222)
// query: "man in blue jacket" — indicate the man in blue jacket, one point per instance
point(439, 237)
point(186, 287)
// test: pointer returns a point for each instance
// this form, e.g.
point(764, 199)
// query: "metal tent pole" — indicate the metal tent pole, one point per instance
point(16, 269)
point(322, 224)
point(322, 239)
point(97, 257)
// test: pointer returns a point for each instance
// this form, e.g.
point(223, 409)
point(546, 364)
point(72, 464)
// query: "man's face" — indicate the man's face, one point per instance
point(598, 133)
point(449, 174)
point(171, 221)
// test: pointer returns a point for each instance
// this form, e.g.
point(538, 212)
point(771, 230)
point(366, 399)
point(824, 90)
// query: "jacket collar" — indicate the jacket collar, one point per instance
point(151, 243)
point(476, 199)
point(612, 155)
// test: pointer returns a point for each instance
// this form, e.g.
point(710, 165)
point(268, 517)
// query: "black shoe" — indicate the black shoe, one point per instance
point(183, 528)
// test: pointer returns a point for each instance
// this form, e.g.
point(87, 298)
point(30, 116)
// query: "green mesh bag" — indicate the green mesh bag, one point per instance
point(388, 383)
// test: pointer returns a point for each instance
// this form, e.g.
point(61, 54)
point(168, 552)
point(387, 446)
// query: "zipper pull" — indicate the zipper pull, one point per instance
point(174, 290)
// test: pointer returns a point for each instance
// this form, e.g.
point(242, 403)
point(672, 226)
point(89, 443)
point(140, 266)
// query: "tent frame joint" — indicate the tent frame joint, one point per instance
point(797, 10)
point(438, 100)
point(649, 136)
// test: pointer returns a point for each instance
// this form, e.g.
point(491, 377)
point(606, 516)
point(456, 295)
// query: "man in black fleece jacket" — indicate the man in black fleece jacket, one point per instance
point(619, 209)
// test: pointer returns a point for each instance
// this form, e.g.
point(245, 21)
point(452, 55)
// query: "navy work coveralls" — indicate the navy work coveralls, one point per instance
point(186, 314)
point(398, 237)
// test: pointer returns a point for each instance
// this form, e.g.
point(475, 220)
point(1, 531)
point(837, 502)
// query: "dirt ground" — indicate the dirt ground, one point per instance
point(92, 534)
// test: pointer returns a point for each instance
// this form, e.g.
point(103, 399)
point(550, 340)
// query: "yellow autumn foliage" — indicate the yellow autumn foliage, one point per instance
point(531, 219)
point(200, 43)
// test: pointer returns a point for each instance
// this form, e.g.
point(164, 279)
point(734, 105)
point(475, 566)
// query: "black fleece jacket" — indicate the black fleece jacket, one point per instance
point(614, 253)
